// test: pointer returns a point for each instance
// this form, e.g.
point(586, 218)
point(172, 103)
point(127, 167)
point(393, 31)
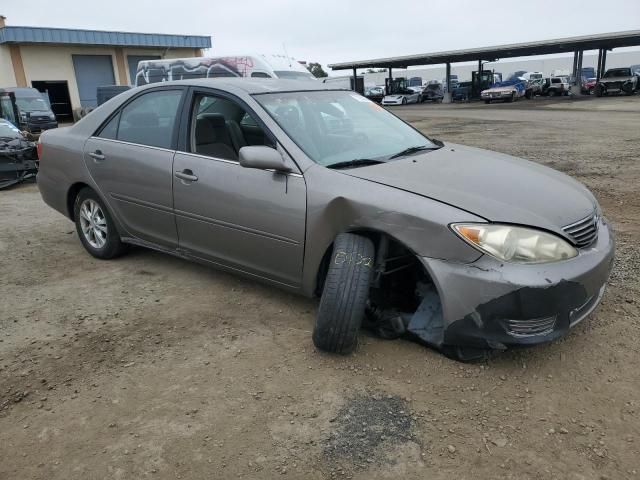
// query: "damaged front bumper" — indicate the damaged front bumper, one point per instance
point(17, 165)
point(491, 304)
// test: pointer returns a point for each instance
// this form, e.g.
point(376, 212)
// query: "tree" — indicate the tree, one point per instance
point(316, 70)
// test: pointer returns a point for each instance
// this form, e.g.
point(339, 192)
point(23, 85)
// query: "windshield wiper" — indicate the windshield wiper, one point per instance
point(410, 150)
point(358, 162)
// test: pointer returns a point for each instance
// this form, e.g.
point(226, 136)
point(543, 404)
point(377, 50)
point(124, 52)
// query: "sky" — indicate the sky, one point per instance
point(329, 31)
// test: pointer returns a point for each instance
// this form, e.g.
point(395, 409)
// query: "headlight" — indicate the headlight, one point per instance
point(52, 116)
point(515, 244)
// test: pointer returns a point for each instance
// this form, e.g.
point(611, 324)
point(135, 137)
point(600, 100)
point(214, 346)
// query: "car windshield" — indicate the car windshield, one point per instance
point(31, 104)
point(618, 72)
point(291, 74)
point(7, 130)
point(340, 126)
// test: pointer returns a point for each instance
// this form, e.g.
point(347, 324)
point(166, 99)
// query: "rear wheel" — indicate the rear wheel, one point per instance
point(404, 100)
point(95, 226)
point(345, 294)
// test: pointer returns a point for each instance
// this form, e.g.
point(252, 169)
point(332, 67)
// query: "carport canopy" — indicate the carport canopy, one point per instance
point(604, 41)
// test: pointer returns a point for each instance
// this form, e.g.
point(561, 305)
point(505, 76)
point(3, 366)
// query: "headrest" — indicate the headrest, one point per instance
point(216, 120)
point(205, 132)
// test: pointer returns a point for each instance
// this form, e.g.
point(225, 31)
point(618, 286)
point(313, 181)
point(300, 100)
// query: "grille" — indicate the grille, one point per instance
point(583, 232)
point(530, 327)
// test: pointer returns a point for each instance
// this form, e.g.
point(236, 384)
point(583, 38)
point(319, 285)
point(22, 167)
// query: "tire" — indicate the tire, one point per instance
point(404, 100)
point(599, 90)
point(95, 227)
point(552, 93)
point(420, 100)
point(487, 102)
point(590, 91)
point(627, 89)
point(345, 294)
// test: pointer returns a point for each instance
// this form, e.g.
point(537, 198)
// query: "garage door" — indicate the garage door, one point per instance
point(133, 64)
point(92, 71)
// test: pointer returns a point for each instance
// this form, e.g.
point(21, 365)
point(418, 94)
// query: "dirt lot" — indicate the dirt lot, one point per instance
point(152, 367)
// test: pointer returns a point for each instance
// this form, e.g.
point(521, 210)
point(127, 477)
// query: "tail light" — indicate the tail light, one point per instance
point(39, 149)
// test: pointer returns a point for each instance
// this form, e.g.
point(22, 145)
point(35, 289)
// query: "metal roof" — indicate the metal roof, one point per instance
point(15, 34)
point(545, 47)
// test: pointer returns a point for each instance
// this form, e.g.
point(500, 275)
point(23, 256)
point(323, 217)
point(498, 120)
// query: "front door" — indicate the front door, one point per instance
point(130, 159)
point(246, 219)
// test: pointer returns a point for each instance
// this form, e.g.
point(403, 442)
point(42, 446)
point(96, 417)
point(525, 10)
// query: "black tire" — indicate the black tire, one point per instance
point(552, 93)
point(487, 102)
point(404, 100)
point(627, 89)
point(599, 90)
point(345, 294)
point(113, 246)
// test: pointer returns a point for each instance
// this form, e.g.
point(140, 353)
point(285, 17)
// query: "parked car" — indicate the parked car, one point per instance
point(403, 97)
point(617, 80)
point(432, 93)
point(508, 91)
point(554, 86)
point(34, 112)
point(18, 156)
point(588, 86)
point(322, 192)
point(461, 92)
point(375, 94)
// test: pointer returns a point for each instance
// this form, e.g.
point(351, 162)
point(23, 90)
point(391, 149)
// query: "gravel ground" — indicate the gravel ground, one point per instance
point(152, 367)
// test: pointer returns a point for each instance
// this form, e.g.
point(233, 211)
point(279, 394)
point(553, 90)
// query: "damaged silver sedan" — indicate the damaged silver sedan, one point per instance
point(324, 193)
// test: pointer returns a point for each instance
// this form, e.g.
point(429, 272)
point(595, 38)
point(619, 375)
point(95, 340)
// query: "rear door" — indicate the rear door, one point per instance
point(130, 159)
point(245, 219)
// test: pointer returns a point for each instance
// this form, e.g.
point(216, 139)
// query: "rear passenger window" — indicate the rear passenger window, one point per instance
point(150, 119)
point(260, 75)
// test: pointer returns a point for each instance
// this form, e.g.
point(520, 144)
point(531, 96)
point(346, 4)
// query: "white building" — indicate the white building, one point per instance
point(70, 64)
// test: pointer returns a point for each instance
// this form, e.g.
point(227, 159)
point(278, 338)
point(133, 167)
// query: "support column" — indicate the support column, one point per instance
point(388, 92)
point(18, 66)
point(578, 79)
point(575, 63)
point(447, 81)
point(355, 80)
point(604, 61)
point(480, 67)
point(599, 67)
point(122, 68)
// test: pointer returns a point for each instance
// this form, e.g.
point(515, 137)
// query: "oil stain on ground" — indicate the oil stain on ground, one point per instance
point(366, 427)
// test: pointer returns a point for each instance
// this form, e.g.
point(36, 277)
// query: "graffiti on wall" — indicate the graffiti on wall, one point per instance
point(154, 71)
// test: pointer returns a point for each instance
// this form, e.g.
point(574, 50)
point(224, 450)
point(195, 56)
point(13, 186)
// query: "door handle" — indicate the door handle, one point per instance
point(97, 155)
point(186, 175)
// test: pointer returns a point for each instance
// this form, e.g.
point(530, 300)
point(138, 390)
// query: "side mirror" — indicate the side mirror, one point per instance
point(262, 158)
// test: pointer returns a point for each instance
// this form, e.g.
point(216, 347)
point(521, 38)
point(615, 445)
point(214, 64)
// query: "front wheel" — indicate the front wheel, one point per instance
point(345, 294)
point(552, 93)
point(95, 227)
point(599, 90)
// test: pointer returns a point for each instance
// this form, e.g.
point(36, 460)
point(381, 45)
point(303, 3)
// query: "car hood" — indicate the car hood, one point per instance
point(495, 186)
point(499, 89)
point(616, 79)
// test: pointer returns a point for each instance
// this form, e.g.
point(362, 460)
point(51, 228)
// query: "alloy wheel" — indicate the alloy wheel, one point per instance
point(93, 223)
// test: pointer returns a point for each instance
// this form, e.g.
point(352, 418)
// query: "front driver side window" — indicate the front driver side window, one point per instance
point(220, 127)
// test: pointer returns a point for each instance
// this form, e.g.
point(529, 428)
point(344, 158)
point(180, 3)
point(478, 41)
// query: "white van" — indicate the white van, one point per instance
point(262, 66)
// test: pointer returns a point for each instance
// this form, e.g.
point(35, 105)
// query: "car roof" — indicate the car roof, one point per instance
point(254, 86)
